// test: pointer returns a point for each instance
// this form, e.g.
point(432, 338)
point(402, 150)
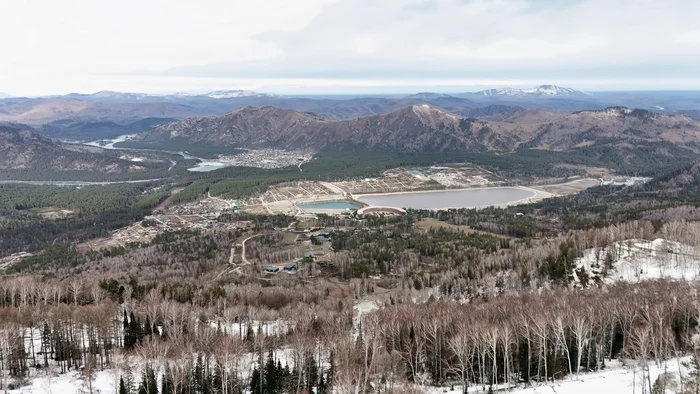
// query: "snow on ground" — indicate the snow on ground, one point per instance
point(359, 310)
point(616, 379)
point(268, 328)
point(105, 382)
point(635, 260)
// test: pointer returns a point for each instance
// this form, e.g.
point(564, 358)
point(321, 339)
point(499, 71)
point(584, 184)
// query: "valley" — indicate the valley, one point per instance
point(418, 249)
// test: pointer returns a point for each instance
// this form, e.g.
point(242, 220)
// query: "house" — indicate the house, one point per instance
point(272, 269)
point(320, 239)
point(290, 267)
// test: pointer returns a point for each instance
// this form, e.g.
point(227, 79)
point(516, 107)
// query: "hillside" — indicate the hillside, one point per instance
point(411, 129)
point(620, 125)
point(424, 128)
point(22, 150)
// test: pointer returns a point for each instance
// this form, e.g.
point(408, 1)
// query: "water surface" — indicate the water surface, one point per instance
point(469, 198)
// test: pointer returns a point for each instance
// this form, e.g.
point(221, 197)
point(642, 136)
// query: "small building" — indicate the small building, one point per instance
point(321, 239)
point(326, 232)
point(272, 269)
point(290, 267)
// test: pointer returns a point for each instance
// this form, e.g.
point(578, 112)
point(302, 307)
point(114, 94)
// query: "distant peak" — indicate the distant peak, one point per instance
point(428, 95)
point(542, 90)
point(225, 94)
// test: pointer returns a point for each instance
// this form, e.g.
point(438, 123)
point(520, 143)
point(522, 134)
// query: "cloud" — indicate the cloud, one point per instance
point(101, 44)
point(486, 38)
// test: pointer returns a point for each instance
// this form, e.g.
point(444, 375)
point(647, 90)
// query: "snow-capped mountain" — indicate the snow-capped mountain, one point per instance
point(111, 96)
point(120, 96)
point(542, 90)
point(226, 94)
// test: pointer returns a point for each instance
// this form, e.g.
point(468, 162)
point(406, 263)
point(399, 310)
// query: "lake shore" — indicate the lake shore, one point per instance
point(535, 195)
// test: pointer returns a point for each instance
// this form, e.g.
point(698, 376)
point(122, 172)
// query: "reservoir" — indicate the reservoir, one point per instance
point(329, 205)
point(206, 166)
point(443, 199)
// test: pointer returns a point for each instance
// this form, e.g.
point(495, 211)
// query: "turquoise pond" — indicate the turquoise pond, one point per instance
point(330, 205)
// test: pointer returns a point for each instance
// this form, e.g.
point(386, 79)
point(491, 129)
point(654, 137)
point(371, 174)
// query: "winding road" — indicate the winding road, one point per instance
point(243, 258)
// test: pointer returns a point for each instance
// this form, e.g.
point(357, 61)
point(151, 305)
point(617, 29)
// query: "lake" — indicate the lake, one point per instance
point(469, 198)
point(329, 205)
point(206, 166)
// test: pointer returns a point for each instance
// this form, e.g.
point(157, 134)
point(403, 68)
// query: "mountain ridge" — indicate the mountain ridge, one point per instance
point(23, 149)
point(422, 127)
point(538, 91)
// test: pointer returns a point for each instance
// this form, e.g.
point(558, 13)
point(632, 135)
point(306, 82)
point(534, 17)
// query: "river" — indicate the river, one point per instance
point(443, 199)
point(72, 183)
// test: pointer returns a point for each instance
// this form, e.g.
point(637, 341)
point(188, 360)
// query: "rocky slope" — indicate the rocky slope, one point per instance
point(425, 128)
point(21, 148)
point(411, 129)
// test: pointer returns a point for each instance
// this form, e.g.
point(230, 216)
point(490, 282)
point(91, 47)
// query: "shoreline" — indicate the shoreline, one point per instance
point(537, 195)
point(356, 196)
point(293, 204)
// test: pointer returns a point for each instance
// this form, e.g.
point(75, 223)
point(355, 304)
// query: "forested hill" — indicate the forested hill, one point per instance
point(673, 196)
point(23, 149)
point(27, 155)
point(422, 128)
point(417, 128)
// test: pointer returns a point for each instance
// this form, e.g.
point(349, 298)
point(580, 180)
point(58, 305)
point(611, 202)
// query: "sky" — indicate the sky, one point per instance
point(346, 46)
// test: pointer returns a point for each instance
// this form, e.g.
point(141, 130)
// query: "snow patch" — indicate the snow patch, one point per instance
point(226, 94)
point(636, 260)
point(542, 90)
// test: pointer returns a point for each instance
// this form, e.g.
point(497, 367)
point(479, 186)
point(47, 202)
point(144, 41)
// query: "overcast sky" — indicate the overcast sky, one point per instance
point(346, 46)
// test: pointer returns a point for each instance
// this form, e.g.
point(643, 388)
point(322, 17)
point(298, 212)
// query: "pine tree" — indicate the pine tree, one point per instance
point(217, 383)
point(693, 383)
point(311, 373)
point(152, 382)
point(122, 386)
point(147, 328)
point(128, 336)
point(198, 385)
point(167, 386)
point(149, 384)
point(321, 385)
point(255, 383)
point(129, 382)
point(135, 329)
point(271, 378)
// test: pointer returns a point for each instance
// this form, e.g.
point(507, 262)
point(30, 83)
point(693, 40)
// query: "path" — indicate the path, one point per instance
point(243, 258)
point(334, 188)
point(230, 204)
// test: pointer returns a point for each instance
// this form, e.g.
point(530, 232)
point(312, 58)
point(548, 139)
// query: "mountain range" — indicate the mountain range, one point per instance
point(422, 127)
point(539, 91)
point(108, 114)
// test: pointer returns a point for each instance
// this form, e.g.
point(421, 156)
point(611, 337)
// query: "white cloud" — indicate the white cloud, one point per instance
point(70, 45)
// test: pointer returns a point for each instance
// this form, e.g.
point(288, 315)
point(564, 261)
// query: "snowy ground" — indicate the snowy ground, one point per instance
point(635, 260)
point(105, 382)
point(617, 379)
